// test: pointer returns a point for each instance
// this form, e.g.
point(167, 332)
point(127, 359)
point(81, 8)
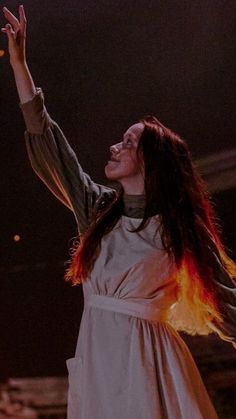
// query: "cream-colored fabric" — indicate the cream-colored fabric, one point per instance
point(129, 362)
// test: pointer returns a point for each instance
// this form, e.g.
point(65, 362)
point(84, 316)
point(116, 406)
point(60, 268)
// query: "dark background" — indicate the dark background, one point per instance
point(102, 65)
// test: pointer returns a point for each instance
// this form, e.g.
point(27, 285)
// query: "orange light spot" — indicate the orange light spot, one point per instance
point(17, 238)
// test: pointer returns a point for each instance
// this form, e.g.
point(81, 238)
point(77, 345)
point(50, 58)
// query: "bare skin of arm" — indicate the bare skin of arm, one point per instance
point(15, 30)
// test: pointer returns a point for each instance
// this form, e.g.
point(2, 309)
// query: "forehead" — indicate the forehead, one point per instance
point(135, 131)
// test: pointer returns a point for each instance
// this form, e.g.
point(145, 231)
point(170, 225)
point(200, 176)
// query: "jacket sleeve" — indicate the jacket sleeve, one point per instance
point(56, 164)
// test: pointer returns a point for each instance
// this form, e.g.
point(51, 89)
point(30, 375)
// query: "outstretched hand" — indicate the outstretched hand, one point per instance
point(15, 30)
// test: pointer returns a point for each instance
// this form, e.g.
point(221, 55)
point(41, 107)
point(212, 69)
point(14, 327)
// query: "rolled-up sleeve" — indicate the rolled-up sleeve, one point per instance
point(55, 162)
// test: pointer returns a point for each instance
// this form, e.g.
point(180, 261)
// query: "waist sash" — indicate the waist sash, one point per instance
point(133, 308)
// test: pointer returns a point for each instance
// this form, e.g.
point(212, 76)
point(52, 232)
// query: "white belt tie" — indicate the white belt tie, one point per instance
point(148, 312)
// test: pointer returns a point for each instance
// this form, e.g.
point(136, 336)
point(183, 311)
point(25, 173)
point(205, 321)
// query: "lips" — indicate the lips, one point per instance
point(113, 159)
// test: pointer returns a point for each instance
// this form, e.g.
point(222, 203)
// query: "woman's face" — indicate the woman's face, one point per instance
point(125, 166)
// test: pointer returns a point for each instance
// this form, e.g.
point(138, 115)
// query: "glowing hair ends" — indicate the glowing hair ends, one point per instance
point(189, 231)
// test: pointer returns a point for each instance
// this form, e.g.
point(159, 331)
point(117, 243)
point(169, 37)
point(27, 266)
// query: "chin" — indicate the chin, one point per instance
point(110, 175)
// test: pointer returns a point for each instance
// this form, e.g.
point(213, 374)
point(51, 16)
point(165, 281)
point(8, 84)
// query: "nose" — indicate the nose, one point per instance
point(115, 148)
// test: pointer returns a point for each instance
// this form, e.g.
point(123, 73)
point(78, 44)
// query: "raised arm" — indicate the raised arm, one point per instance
point(50, 154)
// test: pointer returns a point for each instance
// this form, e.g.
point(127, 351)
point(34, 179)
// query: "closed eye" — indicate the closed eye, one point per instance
point(127, 142)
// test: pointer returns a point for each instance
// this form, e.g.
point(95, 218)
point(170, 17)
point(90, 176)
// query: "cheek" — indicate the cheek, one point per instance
point(135, 162)
point(131, 164)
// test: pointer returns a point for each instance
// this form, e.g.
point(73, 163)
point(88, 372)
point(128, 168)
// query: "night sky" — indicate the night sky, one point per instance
point(102, 65)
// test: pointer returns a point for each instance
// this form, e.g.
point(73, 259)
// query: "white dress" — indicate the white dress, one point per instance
point(129, 362)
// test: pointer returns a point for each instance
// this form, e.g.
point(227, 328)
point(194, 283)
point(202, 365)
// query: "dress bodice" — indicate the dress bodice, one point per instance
point(134, 265)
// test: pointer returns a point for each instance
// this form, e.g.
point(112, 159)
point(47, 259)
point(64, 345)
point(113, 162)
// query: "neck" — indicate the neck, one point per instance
point(134, 205)
point(133, 188)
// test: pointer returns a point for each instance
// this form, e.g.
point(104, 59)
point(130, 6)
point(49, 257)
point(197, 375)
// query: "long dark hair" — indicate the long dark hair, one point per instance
point(189, 229)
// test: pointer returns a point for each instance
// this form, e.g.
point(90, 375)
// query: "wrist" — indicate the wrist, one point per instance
point(18, 64)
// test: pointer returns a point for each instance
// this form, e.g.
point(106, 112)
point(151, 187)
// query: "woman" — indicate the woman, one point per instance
point(150, 260)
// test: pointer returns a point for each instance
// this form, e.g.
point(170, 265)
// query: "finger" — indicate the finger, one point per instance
point(23, 21)
point(11, 18)
point(10, 33)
